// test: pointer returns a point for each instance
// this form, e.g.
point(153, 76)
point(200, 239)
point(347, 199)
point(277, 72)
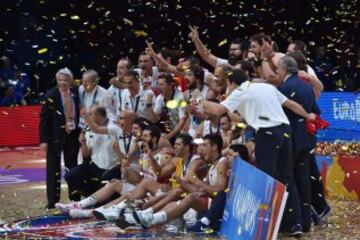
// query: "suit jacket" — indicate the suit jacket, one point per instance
point(301, 92)
point(52, 116)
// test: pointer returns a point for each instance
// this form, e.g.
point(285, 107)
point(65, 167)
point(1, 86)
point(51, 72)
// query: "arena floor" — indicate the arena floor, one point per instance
point(22, 195)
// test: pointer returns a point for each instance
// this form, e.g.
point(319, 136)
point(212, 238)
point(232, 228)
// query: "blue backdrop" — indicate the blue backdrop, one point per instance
point(342, 110)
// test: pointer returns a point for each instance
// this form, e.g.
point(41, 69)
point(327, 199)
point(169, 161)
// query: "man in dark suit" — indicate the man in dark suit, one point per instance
point(59, 132)
point(302, 93)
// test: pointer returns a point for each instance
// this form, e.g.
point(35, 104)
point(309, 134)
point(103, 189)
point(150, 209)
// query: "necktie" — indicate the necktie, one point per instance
point(67, 112)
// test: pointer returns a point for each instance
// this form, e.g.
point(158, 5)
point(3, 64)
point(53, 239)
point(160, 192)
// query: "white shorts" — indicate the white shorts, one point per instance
point(127, 187)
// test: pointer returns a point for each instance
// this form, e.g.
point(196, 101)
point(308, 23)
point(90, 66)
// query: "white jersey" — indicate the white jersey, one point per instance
point(102, 153)
point(147, 170)
point(125, 141)
point(138, 102)
point(115, 97)
point(150, 81)
point(213, 171)
point(210, 129)
point(195, 122)
point(174, 115)
point(96, 97)
point(221, 61)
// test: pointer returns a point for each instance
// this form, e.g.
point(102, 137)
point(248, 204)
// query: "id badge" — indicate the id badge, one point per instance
point(71, 125)
point(81, 124)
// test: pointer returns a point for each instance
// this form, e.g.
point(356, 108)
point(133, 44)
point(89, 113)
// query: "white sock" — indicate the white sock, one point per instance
point(87, 202)
point(121, 205)
point(159, 218)
point(149, 210)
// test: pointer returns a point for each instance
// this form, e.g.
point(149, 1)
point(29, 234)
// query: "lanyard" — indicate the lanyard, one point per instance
point(120, 99)
point(218, 128)
point(136, 103)
point(126, 144)
point(191, 92)
point(94, 97)
point(165, 108)
point(186, 165)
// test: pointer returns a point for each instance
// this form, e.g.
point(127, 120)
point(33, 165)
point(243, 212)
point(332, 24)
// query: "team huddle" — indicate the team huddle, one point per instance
point(158, 145)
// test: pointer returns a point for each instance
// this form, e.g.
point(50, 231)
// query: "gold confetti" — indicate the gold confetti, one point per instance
point(264, 207)
point(75, 17)
point(42, 50)
point(140, 33)
point(286, 135)
point(223, 42)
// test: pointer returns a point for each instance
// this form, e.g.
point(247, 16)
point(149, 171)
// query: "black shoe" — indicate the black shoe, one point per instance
point(50, 206)
point(123, 224)
point(324, 213)
point(296, 230)
point(315, 216)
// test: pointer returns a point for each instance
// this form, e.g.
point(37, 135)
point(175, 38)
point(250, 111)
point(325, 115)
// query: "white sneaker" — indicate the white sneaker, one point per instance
point(66, 207)
point(134, 219)
point(109, 214)
point(81, 213)
point(145, 219)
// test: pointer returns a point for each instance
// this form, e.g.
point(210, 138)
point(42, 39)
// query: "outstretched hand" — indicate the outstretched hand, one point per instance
point(194, 34)
point(311, 116)
point(267, 50)
point(149, 48)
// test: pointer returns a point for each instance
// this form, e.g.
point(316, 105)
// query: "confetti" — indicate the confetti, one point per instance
point(42, 50)
point(140, 33)
point(75, 17)
point(223, 42)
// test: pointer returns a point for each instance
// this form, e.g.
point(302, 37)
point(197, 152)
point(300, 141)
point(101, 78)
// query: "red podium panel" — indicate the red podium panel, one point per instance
point(19, 126)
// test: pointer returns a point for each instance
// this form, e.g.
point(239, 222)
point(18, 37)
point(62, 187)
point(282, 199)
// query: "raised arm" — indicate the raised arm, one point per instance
point(161, 62)
point(93, 126)
point(200, 47)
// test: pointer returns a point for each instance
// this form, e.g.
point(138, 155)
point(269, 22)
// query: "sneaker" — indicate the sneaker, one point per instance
point(174, 225)
point(170, 228)
point(108, 214)
point(81, 213)
point(134, 219)
point(66, 207)
point(296, 230)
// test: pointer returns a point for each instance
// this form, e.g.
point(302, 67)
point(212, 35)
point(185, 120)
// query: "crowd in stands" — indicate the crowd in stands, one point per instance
point(18, 88)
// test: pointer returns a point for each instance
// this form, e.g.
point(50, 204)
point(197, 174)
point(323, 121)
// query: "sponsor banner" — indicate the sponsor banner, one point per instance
point(255, 204)
point(342, 110)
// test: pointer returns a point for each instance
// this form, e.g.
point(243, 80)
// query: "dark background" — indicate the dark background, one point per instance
point(106, 30)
